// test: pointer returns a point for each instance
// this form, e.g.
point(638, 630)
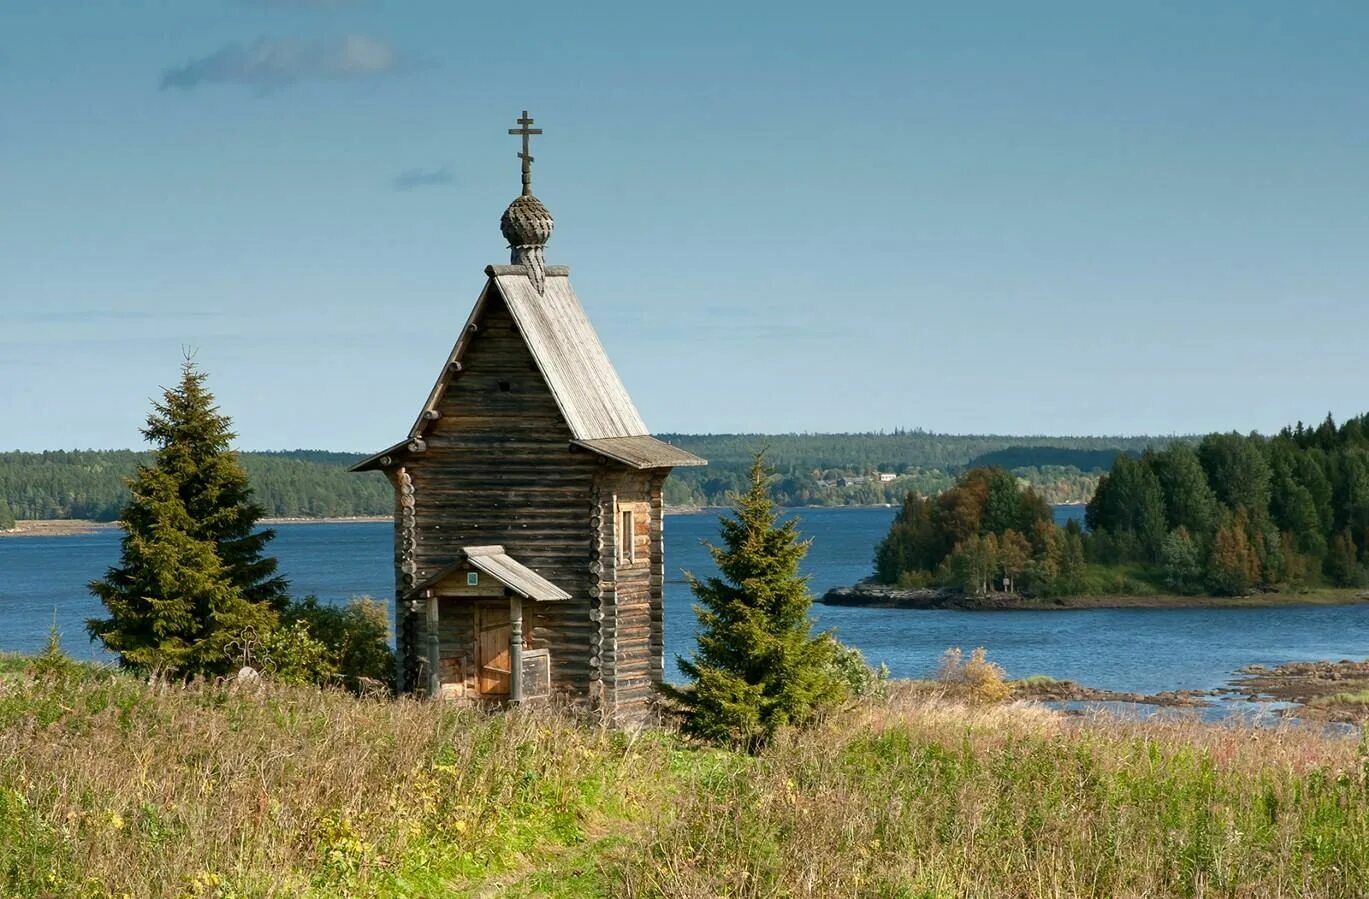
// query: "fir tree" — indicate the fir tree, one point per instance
point(7, 521)
point(758, 665)
point(194, 447)
point(192, 582)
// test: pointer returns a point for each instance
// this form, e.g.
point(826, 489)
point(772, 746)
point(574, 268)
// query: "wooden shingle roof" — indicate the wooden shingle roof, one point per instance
point(558, 333)
point(590, 395)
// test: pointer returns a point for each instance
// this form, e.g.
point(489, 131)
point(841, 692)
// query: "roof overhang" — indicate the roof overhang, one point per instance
point(390, 456)
point(641, 452)
point(512, 574)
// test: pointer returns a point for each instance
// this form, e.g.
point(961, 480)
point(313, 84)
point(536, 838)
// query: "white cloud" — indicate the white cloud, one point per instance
point(270, 63)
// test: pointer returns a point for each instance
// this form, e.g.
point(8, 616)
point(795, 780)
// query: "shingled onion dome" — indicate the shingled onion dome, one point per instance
point(527, 226)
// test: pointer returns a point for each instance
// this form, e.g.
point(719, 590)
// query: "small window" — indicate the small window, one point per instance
point(625, 538)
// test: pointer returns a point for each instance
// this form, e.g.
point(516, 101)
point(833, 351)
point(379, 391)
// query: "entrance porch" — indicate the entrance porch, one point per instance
point(476, 648)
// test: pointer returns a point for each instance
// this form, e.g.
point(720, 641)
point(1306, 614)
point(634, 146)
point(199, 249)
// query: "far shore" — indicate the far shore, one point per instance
point(874, 596)
point(70, 527)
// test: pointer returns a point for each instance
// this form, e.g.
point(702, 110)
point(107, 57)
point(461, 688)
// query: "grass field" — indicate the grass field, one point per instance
point(112, 787)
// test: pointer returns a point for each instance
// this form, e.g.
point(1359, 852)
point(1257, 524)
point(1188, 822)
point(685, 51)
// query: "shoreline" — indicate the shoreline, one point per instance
point(73, 527)
point(924, 600)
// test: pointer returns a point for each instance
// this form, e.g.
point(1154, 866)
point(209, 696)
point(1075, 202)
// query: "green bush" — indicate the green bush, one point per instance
point(52, 663)
point(292, 655)
point(356, 638)
point(848, 666)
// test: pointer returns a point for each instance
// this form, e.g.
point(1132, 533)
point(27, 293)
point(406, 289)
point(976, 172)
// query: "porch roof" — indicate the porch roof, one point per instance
point(505, 569)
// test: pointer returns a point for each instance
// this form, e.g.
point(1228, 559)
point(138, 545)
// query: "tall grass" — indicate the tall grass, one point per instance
point(112, 787)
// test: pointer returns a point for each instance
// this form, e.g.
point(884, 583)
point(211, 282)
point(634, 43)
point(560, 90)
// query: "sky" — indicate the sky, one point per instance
point(1018, 218)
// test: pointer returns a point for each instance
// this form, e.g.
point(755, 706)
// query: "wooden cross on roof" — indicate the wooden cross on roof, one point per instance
point(526, 155)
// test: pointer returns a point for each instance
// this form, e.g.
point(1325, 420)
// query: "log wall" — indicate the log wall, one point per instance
point(632, 626)
point(498, 469)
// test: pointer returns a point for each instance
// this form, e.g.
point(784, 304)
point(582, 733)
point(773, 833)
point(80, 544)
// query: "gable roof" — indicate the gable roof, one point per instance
point(567, 352)
point(514, 575)
point(565, 348)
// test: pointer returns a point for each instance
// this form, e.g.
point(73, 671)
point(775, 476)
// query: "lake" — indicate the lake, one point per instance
point(1145, 650)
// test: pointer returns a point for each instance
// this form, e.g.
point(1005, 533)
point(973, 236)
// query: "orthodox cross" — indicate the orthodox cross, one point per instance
point(526, 156)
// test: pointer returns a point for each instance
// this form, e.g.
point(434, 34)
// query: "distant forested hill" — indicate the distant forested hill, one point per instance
point(91, 484)
point(845, 469)
point(813, 469)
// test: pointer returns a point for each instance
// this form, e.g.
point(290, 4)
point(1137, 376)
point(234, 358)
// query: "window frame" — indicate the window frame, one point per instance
point(627, 537)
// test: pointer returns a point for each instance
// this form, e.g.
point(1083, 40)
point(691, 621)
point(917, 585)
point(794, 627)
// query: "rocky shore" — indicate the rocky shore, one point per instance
point(1050, 690)
point(1326, 690)
point(883, 596)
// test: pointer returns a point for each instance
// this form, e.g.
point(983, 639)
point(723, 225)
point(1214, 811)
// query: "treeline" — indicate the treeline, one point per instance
point(844, 469)
point(1226, 516)
point(811, 470)
point(1239, 513)
point(92, 484)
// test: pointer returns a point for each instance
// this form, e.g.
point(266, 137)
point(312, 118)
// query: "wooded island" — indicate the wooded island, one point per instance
point(1230, 516)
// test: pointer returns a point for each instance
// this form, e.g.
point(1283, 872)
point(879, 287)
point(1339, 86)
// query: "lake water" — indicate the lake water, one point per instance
point(1144, 650)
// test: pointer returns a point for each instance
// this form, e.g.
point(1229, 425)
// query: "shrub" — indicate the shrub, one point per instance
point(976, 678)
point(292, 655)
point(848, 666)
point(356, 638)
point(52, 663)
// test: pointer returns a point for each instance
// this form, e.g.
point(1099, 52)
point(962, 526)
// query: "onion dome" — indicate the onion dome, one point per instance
point(526, 224)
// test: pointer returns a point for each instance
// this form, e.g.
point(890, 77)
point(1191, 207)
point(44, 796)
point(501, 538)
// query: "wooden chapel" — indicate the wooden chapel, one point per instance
point(528, 518)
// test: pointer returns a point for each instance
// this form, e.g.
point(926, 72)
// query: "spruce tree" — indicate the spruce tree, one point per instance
point(758, 665)
point(194, 443)
point(7, 522)
point(193, 588)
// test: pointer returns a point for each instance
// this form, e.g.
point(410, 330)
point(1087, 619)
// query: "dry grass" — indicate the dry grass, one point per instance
point(109, 787)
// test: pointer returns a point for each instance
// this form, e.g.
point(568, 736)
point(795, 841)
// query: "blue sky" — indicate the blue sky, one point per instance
point(1013, 217)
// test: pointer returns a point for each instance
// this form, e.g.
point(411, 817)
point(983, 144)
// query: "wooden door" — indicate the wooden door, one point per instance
point(493, 634)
